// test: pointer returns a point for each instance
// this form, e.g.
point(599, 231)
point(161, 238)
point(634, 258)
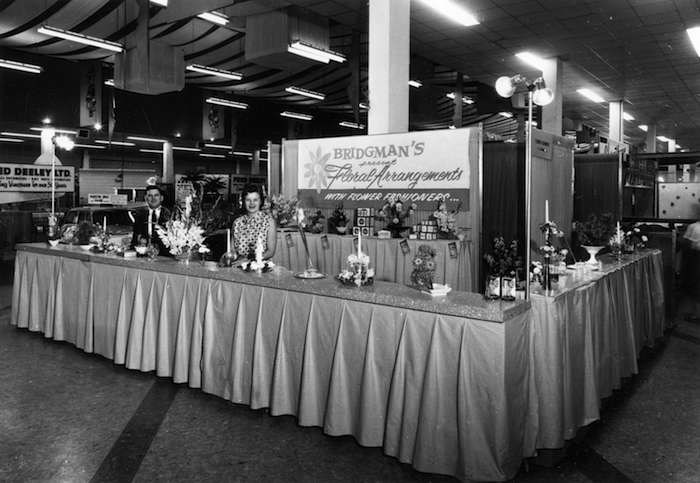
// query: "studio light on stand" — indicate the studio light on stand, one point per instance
point(65, 143)
point(537, 93)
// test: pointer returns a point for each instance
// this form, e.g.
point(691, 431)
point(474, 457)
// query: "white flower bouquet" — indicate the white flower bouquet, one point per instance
point(358, 272)
point(183, 235)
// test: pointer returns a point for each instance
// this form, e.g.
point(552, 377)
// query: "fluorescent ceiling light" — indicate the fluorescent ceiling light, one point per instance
point(203, 69)
point(590, 95)
point(415, 83)
point(11, 64)
point(20, 135)
point(217, 146)
point(453, 11)
point(227, 103)
point(353, 125)
point(305, 92)
point(184, 148)
point(148, 140)
point(663, 139)
point(90, 146)
point(109, 82)
point(310, 52)
point(506, 114)
point(11, 140)
point(60, 131)
point(214, 17)
point(207, 155)
point(241, 153)
point(643, 127)
point(694, 34)
point(80, 38)
point(296, 115)
point(162, 3)
point(116, 143)
point(156, 151)
point(627, 117)
point(531, 59)
point(465, 99)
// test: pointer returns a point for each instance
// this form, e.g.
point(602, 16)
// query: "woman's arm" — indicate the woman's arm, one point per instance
point(271, 240)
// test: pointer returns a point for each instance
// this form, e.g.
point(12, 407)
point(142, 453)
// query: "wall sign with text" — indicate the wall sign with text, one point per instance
point(36, 178)
point(422, 167)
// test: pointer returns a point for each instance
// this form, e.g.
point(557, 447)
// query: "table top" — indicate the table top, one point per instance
point(460, 304)
point(574, 279)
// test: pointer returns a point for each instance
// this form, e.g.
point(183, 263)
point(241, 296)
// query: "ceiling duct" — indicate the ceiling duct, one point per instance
point(148, 66)
point(269, 34)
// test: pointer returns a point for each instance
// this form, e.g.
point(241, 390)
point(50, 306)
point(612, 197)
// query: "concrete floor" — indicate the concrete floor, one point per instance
point(70, 416)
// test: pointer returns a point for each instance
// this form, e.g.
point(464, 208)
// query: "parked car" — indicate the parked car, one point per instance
point(119, 223)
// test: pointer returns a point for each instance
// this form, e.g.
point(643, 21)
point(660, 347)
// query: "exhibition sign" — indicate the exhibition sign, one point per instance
point(422, 167)
point(35, 178)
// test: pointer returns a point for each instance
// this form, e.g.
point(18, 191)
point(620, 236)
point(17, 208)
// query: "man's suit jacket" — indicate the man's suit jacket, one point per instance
point(141, 228)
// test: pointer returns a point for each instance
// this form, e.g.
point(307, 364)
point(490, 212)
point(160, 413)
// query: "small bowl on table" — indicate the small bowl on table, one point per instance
point(86, 247)
point(54, 242)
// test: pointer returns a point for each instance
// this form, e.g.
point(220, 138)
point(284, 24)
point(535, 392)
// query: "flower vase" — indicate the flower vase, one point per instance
point(592, 251)
point(493, 287)
point(508, 288)
point(185, 256)
point(547, 273)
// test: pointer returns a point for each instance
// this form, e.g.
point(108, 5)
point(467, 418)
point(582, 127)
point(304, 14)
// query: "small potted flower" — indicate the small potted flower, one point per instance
point(315, 224)
point(446, 221)
point(394, 212)
point(503, 262)
point(634, 239)
point(338, 221)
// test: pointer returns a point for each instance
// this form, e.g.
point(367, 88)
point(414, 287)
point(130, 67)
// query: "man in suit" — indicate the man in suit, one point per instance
point(156, 214)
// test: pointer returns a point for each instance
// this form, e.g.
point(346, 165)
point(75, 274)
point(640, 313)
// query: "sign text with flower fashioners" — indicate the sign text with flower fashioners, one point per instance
point(35, 178)
point(420, 167)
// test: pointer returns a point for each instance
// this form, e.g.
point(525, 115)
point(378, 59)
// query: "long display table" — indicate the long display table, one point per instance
point(441, 384)
point(586, 336)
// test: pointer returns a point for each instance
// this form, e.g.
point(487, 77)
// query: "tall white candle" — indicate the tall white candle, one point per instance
point(546, 211)
point(228, 240)
point(104, 224)
point(618, 227)
point(359, 244)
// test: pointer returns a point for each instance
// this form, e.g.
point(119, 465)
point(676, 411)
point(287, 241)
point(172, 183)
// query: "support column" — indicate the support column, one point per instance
point(389, 60)
point(255, 163)
point(168, 164)
point(616, 127)
point(671, 145)
point(552, 73)
point(651, 138)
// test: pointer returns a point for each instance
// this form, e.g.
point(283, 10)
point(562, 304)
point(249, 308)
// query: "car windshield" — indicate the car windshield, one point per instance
point(114, 216)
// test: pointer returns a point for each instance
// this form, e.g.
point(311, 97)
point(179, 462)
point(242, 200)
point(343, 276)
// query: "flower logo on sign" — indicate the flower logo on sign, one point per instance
point(316, 170)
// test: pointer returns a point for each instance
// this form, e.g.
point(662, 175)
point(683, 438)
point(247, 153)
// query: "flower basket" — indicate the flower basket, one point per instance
point(182, 235)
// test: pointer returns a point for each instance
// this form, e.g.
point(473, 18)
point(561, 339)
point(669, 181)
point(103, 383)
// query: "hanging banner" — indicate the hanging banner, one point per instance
point(419, 167)
point(35, 178)
point(90, 93)
point(212, 121)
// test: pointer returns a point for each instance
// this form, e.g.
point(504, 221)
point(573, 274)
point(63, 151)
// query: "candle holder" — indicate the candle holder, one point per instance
point(311, 272)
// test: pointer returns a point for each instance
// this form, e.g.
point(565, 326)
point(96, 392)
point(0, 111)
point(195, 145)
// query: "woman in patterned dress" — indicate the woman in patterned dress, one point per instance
point(254, 227)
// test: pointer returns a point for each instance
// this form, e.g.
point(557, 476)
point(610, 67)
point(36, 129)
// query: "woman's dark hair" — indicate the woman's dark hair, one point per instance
point(253, 188)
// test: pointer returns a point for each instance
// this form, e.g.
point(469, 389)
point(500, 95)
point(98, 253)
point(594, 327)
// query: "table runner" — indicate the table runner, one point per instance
point(446, 394)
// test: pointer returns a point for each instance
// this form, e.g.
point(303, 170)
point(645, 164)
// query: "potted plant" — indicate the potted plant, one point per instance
point(315, 224)
point(503, 262)
point(394, 212)
point(446, 221)
point(338, 221)
point(594, 233)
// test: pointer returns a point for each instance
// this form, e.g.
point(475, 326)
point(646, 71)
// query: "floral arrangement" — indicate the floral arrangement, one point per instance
point(338, 221)
point(634, 238)
point(283, 210)
point(394, 212)
point(446, 221)
point(258, 264)
point(315, 224)
point(504, 258)
point(183, 234)
point(357, 272)
point(423, 268)
point(595, 231)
